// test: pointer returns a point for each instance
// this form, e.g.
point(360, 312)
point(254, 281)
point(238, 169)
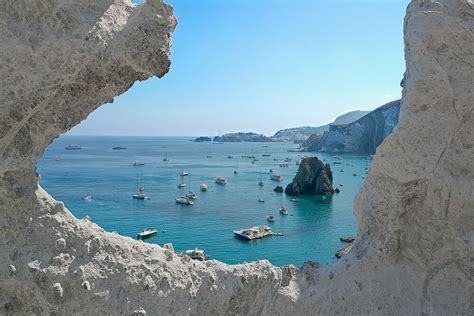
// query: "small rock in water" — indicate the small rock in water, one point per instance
point(337, 190)
point(278, 189)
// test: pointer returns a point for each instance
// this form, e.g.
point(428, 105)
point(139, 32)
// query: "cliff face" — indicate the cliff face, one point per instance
point(313, 178)
point(59, 60)
point(361, 136)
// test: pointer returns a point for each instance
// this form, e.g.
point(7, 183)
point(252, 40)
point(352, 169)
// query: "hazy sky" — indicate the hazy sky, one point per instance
point(247, 65)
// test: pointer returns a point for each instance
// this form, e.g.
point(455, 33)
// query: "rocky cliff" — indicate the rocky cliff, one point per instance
point(313, 178)
point(59, 60)
point(300, 134)
point(362, 136)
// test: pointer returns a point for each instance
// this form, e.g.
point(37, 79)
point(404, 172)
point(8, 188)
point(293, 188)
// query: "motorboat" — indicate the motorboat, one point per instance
point(271, 218)
point(283, 210)
point(196, 254)
point(221, 180)
point(260, 200)
point(191, 196)
point(276, 177)
point(203, 187)
point(87, 198)
point(119, 148)
point(255, 232)
point(184, 201)
point(184, 173)
point(138, 163)
point(181, 185)
point(73, 147)
point(147, 233)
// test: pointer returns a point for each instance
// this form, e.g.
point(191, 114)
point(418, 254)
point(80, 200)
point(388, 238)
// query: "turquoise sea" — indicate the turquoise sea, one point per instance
point(311, 231)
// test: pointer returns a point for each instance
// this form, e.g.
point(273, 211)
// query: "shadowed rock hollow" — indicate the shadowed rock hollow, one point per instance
point(59, 60)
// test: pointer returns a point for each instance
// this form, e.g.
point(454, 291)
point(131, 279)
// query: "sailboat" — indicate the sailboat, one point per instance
point(236, 167)
point(260, 182)
point(183, 200)
point(182, 184)
point(218, 142)
point(282, 209)
point(140, 194)
point(166, 158)
point(190, 195)
point(266, 154)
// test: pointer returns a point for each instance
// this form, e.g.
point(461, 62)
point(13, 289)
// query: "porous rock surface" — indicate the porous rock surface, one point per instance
point(314, 177)
point(59, 60)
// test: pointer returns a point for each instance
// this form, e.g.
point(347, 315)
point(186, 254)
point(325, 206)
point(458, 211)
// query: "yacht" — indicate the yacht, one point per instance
point(191, 196)
point(137, 163)
point(73, 147)
point(221, 180)
point(119, 148)
point(140, 194)
point(276, 177)
point(203, 187)
point(283, 210)
point(184, 201)
point(147, 233)
point(255, 232)
point(196, 254)
point(271, 218)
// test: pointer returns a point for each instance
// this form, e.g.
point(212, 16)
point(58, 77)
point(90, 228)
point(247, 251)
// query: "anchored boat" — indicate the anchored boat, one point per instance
point(73, 147)
point(255, 232)
point(196, 254)
point(221, 180)
point(147, 233)
point(276, 177)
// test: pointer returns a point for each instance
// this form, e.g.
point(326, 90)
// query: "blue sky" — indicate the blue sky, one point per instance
point(248, 65)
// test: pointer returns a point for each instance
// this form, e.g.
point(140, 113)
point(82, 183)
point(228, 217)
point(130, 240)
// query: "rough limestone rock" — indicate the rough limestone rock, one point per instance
point(59, 60)
point(362, 136)
point(313, 178)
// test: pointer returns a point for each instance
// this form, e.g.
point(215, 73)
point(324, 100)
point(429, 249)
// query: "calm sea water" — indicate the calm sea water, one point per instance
point(311, 232)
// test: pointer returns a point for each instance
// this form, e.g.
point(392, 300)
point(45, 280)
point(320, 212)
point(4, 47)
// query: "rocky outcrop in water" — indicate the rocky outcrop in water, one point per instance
point(361, 136)
point(59, 60)
point(313, 178)
point(243, 137)
point(202, 139)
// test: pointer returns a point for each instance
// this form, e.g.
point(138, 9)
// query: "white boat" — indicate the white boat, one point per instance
point(73, 147)
point(137, 163)
point(276, 177)
point(147, 233)
point(221, 180)
point(255, 232)
point(203, 187)
point(260, 200)
point(271, 218)
point(196, 254)
point(140, 194)
point(191, 196)
point(184, 201)
point(181, 185)
point(184, 173)
point(283, 210)
point(87, 198)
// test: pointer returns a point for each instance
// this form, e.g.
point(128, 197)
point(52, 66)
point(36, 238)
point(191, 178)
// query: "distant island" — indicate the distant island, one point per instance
point(243, 137)
point(203, 139)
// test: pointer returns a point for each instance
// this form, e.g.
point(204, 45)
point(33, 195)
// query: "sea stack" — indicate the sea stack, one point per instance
point(313, 177)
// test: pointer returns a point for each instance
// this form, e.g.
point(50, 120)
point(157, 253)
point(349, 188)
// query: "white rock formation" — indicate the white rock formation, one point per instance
point(59, 60)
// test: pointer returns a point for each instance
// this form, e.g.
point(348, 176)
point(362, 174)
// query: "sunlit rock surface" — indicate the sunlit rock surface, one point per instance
point(59, 60)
